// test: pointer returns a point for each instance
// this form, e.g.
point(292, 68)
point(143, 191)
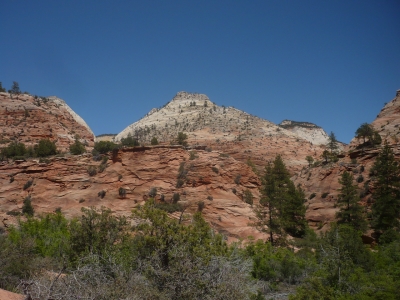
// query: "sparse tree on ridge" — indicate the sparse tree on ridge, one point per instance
point(365, 131)
point(15, 88)
point(332, 143)
point(182, 139)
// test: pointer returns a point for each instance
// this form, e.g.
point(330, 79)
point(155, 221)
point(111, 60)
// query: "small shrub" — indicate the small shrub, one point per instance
point(324, 195)
point(360, 178)
point(101, 194)
point(162, 197)
point(11, 179)
point(215, 169)
point(77, 148)
point(119, 177)
point(210, 198)
point(193, 155)
point(104, 159)
point(92, 170)
point(122, 192)
point(208, 149)
point(237, 179)
point(153, 192)
point(154, 141)
point(179, 183)
point(176, 197)
point(354, 160)
point(312, 196)
point(28, 184)
point(362, 168)
point(103, 147)
point(45, 148)
point(248, 197)
point(102, 167)
point(13, 213)
point(223, 155)
point(234, 191)
point(58, 210)
point(81, 200)
point(169, 207)
point(200, 206)
point(27, 208)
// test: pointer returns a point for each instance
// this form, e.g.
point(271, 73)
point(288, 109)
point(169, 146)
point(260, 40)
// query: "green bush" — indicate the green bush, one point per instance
point(92, 170)
point(154, 141)
point(176, 197)
point(14, 149)
point(324, 195)
point(101, 194)
point(215, 169)
point(28, 184)
point(237, 179)
point(122, 192)
point(312, 196)
point(168, 207)
point(45, 148)
point(248, 197)
point(27, 207)
point(104, 147)
point(77, 148)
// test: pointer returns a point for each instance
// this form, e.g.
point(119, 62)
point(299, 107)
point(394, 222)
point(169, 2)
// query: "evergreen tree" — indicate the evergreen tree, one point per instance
point(386, 208)
point(15, 88)
point(364, 131)
point(154, 141)
point(332, 143)
point(2, 90)
point(281, 209)
point(350, 211)
point(294, 211)
point(182, 139)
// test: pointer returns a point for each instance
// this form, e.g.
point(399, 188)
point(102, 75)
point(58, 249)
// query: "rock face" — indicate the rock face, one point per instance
point(225, 129)
point(28, 119)
point(6, 295)
point(217, 181)
point(308, 131)
point(387, 123)
point(324, 180)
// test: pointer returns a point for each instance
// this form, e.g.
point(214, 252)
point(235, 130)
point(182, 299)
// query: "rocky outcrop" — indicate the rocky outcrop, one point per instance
point(225, 129)
point(308, 131)
point(217, 181)
point(321, 184)
point(28, 119)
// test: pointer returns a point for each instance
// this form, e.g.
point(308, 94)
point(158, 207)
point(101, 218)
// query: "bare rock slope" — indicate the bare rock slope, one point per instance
point(206, 179)
point(26, 118)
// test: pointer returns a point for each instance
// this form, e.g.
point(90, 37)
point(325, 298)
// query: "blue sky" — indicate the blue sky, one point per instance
point(333, 63)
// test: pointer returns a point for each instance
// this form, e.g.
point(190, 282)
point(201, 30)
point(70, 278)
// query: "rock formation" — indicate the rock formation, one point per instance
point(28, 119)
point(217, 181)
point(225, 129)
point(321, 183)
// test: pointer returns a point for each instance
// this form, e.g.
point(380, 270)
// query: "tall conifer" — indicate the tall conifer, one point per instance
point(386, 208)
point(350, 211)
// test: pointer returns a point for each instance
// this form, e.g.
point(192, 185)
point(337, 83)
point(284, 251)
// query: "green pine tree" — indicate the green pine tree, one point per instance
point(386, 208)
point(281, 209)
point(350, 211)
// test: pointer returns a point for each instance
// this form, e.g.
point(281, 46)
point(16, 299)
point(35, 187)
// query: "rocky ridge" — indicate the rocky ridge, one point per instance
point(225, 129)
point(321, 183)
point(28, 119)
point(308, 131)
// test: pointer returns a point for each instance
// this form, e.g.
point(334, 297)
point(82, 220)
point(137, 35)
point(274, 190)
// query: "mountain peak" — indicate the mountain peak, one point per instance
point(190, 96)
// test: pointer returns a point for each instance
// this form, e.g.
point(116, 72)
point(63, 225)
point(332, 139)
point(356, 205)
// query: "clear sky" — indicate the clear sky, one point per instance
point(333, 63)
